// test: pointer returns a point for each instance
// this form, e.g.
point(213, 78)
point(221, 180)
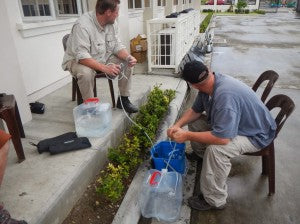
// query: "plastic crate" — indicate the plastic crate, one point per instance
point(163, 150)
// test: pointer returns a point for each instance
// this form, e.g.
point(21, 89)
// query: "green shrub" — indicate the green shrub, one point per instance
point(259, 11)
point(242, 4)
point(247, 11)
point(207, 10)
point(131, 151)
point(205, 22)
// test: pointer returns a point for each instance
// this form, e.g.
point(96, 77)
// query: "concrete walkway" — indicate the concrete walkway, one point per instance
point(44, 188)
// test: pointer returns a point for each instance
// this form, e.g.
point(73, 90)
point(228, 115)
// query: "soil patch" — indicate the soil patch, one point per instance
point(93, 208)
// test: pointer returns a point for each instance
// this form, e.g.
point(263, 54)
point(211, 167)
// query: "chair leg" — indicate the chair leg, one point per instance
point(18, 118)
point(111, 88)
point(95, 88)
point(12, 125)
point(265, 166)
point(272, 171)
point(79, 96)
point(74, 81)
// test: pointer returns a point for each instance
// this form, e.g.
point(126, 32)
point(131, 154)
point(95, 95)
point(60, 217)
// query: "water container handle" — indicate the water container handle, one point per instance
point(152, 182)
point(92, 100)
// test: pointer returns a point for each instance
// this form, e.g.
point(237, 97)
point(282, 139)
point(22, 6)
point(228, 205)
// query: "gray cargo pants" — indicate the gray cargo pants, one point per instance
point(216, 163)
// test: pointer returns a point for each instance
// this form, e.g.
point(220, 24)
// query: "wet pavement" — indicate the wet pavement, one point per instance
point(246, 46)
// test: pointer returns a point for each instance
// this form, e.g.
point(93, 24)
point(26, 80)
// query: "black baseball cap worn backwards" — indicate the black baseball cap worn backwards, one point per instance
point(194, 72)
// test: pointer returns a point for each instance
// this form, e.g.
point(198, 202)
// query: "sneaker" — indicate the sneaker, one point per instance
point(6, 219)
point(199, 203)
point(193, 156)
point(128, 106)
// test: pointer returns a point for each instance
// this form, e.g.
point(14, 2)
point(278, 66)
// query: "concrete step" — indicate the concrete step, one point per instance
point(44, 188)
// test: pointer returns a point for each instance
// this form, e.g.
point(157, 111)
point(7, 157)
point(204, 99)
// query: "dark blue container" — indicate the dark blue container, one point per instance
point(161, 153)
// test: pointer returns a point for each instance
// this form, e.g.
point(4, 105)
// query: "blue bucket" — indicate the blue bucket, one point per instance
point(163, 150)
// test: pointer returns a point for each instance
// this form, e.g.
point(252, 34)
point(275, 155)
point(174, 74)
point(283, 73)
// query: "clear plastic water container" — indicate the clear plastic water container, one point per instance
point(92, 118)
point(161, 195)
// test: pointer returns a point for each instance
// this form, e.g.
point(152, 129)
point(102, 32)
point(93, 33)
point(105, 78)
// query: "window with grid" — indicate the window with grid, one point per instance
point(175, 2)
point(35, 8)
point(183, 2)
point(147, 3)
point(135, 4)
point(161, 2)
point(49, 9)
point(190, 1)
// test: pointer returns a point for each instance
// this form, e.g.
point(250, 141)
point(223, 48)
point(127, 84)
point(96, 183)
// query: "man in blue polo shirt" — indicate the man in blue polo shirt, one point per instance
point(235, 122)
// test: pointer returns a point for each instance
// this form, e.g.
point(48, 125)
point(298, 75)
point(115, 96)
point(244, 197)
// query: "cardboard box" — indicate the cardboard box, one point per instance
point(143, 44)
point(140, 56)
point(138, 43)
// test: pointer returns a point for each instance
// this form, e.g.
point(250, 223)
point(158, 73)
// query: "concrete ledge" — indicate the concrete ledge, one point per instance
point(129, 211)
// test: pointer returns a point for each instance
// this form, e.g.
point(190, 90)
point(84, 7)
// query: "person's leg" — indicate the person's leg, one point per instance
point(85, 78)
point(215, 169)
point(4, 147)
point(198, 126)
point(3, 159)
point(124, 84)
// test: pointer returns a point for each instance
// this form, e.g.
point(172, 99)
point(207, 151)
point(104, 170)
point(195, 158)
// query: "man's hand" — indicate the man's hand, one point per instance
point(171, 130)
point(179, 135)
point(112, 69)
point(131, 61)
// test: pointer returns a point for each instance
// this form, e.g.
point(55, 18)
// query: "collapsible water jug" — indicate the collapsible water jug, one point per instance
point(169, 151)
point(92, 118)
point(161, 195)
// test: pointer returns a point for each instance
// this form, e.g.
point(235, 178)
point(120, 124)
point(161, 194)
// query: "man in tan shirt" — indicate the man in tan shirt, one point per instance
point(93, 45)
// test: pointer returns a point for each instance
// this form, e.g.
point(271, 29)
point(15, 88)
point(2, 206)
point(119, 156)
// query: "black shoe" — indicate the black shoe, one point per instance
point(128, 106)
point(193, 156)
point(199, 203)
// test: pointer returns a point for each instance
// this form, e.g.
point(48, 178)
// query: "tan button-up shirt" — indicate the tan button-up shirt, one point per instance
point(88, 39)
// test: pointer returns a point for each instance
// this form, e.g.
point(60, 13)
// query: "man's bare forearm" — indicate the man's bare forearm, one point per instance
point(93, 64)
point(188, 116)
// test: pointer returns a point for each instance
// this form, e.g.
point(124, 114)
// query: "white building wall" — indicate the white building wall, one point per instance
point(11, 79)
point(40, 52)
point(136, 23)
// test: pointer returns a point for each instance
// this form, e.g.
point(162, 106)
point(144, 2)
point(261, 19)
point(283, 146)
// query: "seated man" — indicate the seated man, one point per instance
point(94, 45)
point(236, 122)
point(4, 146)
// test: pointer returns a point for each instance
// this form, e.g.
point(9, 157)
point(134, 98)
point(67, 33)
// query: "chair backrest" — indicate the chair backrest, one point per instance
point(64, 41)
point(269, 75)
point(286, 106)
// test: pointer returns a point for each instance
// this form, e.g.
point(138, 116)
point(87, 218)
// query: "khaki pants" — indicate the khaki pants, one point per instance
point(216, 163)
point(86, 75)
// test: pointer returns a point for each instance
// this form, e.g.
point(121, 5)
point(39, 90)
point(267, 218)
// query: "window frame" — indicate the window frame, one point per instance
point(133, 5)
point(58, 15)
point(54, 13)
point(163, 3)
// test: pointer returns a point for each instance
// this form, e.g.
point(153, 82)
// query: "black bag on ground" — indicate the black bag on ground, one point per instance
point(37, 108)
point(44, 145)
point(70, 145)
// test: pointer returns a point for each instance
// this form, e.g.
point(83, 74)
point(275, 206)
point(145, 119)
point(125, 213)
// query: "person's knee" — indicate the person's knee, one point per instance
point(212, 149)
point(86, 76)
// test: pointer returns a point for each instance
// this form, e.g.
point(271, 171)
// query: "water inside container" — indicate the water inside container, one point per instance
point(92, 120)
point(162, 201)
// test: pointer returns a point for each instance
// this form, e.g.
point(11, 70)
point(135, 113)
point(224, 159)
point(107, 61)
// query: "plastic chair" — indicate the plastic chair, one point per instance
point(269, 75)
point(286, 106)
point(9, 112)
point(75, 87)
